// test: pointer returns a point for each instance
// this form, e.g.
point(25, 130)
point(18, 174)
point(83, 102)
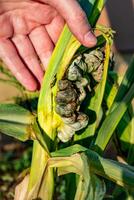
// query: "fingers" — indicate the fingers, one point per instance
point(76, 20)
point(55, 28)
point(42, 44)
point(9, 55)
point(27, 53)
point(41, 13)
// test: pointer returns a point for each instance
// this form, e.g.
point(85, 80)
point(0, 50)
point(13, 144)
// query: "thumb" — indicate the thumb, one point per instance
point(76, 19)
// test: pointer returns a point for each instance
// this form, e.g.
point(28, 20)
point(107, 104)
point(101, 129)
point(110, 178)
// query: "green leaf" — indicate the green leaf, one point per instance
point(71, 185)
point(120, 173)
point(124, 131)
point(98, 6)
point(15, 113)
point(126, 83)
point(101, 41)
point(121, 193)
point(111, 121)
point(16, 122)
point(99, 188)
point(87, 6)
point(130, 158)
point(110, 93)
point(122, 100)
point(21, 132)
point(112, 170)
point(68, 151)
point(41, 137)
point(89, 186)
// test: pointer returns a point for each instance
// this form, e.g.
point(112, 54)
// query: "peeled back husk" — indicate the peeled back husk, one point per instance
point(70, 82)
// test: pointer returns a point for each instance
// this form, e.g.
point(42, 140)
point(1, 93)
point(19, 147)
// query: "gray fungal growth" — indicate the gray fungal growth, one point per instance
point(66, 110)
point(81, 122)
point(66, 96)
point(72, 91)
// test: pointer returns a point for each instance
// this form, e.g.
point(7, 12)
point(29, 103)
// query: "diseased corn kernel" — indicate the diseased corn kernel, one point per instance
point(72, 90)
point(66, 110)
point(66, 96)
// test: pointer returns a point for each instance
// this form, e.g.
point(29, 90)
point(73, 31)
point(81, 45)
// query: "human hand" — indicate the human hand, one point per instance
point(29, 30)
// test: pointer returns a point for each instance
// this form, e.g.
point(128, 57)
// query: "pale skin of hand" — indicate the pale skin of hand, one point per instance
point(29, 31)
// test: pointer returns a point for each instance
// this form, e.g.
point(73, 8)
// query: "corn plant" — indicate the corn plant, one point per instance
point(81, 109)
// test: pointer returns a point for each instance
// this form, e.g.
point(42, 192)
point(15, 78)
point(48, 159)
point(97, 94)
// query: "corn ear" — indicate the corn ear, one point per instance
point(62, 55)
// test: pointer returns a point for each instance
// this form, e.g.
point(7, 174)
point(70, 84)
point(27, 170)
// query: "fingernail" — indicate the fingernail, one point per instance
point(90, 39)
point(45, 59)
